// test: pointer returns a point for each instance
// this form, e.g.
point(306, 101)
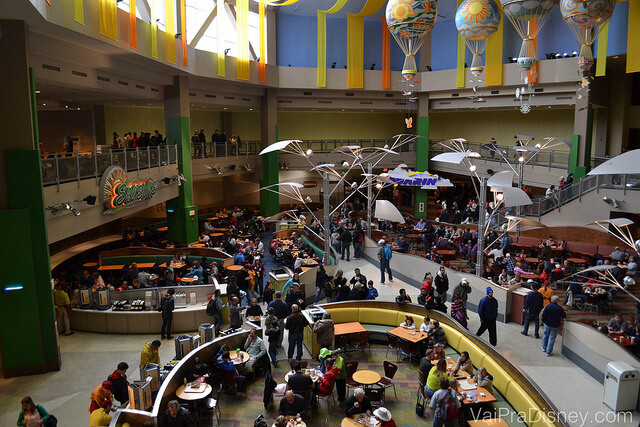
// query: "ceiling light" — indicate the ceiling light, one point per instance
point(37, 91)
point(379, 185)
point(309, 152)
point(521, 159)
point(473, 168)
point(500, 197)
point(538, 145)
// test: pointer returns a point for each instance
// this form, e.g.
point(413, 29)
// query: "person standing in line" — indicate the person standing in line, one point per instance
point(345, 240)
point(167, 305)
point(384, 256)
point(63, 307)
point(552, 316)
point(273, 332)
point(295, 323)
point(217, 307)
point(281, 311)
point(462, 291)
point(324, 330)
point(533, 304)
point(358, 239)
point(441, 283)
point(235, 313)
point(488, 312)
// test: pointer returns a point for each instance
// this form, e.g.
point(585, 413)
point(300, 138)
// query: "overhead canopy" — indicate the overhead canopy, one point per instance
point(501, 179)
point(627, 163)
point(620, 222)
point(526, 148)
point(278, 145)
point(387, 211)
point(453, 157)
point(279, 216)
point(523, 223)
point(283, 184)
point(513, 196)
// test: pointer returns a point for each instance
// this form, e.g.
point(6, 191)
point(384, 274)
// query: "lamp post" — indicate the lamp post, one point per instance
point(481, 225)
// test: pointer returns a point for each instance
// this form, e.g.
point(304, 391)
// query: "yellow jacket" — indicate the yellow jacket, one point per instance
point(547, 293)
point(99, 417)
point(149, 355)
point(61, 298)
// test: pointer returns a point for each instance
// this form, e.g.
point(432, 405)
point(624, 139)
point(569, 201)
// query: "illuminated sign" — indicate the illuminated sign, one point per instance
point(117, 193)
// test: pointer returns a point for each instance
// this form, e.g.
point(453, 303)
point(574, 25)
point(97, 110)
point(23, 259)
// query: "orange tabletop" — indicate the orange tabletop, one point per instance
point(576, 260)
point(197, 245)
point(446, 252)
point(213, 218)
point(244, 236)
point(490, 422)
point(307, 267)
point(348, 328)
point(145, 264)
point(488, 397)
point(193, 394)
point(216, 234)
point(178, 265)
point(187, 279)
point(220, 230)
point(111, 267)
point(234, 267)
point(359, 420)
point(153, 277)
point(366, 377)
point(310, 372)
point(531, 260)
point(623, 341)
point(244, 357)
point(163, 229)
point(529, 275)
point(90, 264)
point(411, 335)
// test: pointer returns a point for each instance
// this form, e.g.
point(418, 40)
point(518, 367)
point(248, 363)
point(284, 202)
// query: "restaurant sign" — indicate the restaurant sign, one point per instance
point(117, 193)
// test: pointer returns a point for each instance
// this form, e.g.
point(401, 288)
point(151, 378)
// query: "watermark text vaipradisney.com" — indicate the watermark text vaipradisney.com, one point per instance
point(574, 418)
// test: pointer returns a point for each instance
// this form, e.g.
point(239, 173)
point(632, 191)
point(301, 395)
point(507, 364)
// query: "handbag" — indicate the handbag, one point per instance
point(419, 408)
point(52, 421)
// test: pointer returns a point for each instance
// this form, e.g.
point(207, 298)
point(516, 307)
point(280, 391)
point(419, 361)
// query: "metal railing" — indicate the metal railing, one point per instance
point(224, 149)
point(578, 189)
point(59, 168)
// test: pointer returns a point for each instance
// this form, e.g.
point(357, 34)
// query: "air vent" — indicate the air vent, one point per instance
point(78, 73)
point(229, 97)
point(564, 97)
point(104, 79)
point(366, 102)
point(444, 103)
point(192, 94)
point(51, 67)
point(388, 95)
point(307, 93)
point(140, 87)
point(285, 101)
point(153, 89)
point(325, 102)
point(123, 83)
point(495, 92)
point(349, 94)
point(246, 99)
point(206, 95)
point(453, 95)
point(538, 89)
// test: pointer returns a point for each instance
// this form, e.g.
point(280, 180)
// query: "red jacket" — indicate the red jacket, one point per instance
point(324, 386)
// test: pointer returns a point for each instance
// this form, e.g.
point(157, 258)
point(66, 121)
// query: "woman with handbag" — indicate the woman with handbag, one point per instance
point(33, 415)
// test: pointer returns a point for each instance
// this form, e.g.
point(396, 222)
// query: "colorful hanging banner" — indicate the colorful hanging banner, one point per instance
point(321, 71)
point(493, 56)
point(386, 55)
point(133, 25)
point(460, 71)
point(221, 19)
point(48, 2)
point(263, 53)
point(183, 30)
point(78, 11)
point(242, 31)
point(532, 74)
point(355, 43)
point(108, 10)
point(153, 5)
point(633, 35)
point(603, 40)
point(170, 29)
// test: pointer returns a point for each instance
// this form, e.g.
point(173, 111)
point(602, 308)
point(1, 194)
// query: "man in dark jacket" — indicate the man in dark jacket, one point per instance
point(441, 282)
point(488, 312)
point(176, 416)
point(280, 311)
point(552, 316)
point(533, 304)
point(345, 241)
point(295, 323)
point(119, 383)
point(167, 305)
point(462, 291)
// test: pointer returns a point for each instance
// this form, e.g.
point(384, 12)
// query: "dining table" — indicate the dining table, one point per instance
point(466, 387)
point(111, 267)
point(366, 377)
point(348, 328)
point(360, 420)
point(239, 358)
point(193, 391)
point(411, 335)
point(234, 267)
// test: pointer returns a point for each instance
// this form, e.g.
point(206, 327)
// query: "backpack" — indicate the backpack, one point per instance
point(448, 408)
point(212, 307)
point(387, 252)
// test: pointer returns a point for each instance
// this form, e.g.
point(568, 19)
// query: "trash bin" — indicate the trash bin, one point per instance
point(206, 332)
point(183, 346)
point(278, 278)
point(151, 370)
point(621, 383)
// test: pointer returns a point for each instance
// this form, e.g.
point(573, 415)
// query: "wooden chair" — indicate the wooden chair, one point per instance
point(390, 370)
point(393, 345)
point(375, 395)
point(409, 350)
point(361, 341)
point(303, 364)
point(210, 405)
point(351, 368)
point(422, 383)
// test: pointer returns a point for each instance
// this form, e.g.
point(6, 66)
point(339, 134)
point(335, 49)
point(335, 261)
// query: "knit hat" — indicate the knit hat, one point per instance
point(105, 403)
point(547, 283)
point(383, 414)
point(381, 242)
point(489, 290)
point(107, 385)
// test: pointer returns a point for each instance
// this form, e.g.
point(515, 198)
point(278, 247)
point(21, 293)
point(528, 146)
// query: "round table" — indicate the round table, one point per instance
point(163, 229)
point(234, 268)
point(310, 372)
point(90, 264)
point(366, 377)
point(349, 421)
point(197, 245)
point(216, 234)
point(529, 275)
point(193, 395)
point(187, 279)
point(576, 260)
point(531, 260)
point(220, 230)
point(234, 358)
point(291, 422)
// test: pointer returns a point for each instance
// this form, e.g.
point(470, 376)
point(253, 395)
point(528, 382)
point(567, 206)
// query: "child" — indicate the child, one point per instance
point(373, 292)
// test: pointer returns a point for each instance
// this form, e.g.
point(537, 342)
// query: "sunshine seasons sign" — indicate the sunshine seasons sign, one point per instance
point(118, 194)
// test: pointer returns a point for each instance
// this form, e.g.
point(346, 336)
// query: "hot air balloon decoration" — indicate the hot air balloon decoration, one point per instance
point(477, 21)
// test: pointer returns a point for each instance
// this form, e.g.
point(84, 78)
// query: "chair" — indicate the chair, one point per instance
point(393, 345)
point(390, 370)
point(210, 405)
point(327, 396)
point(307, 396)
point(409, 350)
point(422, 383)
point(342, 341)
point(229, 379)
point(593, 302)
point(351, 368)
point(361, 340)
point(375, 395)
point(303, 364)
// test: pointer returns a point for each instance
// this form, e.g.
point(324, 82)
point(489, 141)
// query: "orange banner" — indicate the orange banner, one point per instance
point(133, 25)
point(263, 53)
point(532, 74)
point(386, 55)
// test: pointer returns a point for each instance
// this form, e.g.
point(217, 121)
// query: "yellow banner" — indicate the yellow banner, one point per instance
point(460, 61)
point(603, 40)
point(221, 19)
point(633, 35)
point(78, 11)
point(242, 30)
point(154, 28)
point(263, 53)
point(170, 29)
point(493, 57)
point(321, 71)
point(355, 43)
point(108, 18)
point(133, 25)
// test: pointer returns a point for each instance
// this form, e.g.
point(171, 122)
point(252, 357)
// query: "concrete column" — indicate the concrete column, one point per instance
point(619, 105)
point(600, 132)
point(26, 300)
point(99, 126)
point(422, 151)
point(182, 214)
point(582, 127)
point(269, 202)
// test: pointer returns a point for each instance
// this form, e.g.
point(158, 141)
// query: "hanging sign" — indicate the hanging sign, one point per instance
point(117, 193)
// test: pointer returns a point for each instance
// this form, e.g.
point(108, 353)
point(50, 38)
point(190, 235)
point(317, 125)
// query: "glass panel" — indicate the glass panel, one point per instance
point(86, 166)
point(67, 168)
point(48, 171)
point(143, 158)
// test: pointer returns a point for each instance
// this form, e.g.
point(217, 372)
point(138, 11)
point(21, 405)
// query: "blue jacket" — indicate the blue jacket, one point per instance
point(534, 302)
point(553, 315)
point(196, 272)
point(488, 309)
point(280, 307)
point(239, 258)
